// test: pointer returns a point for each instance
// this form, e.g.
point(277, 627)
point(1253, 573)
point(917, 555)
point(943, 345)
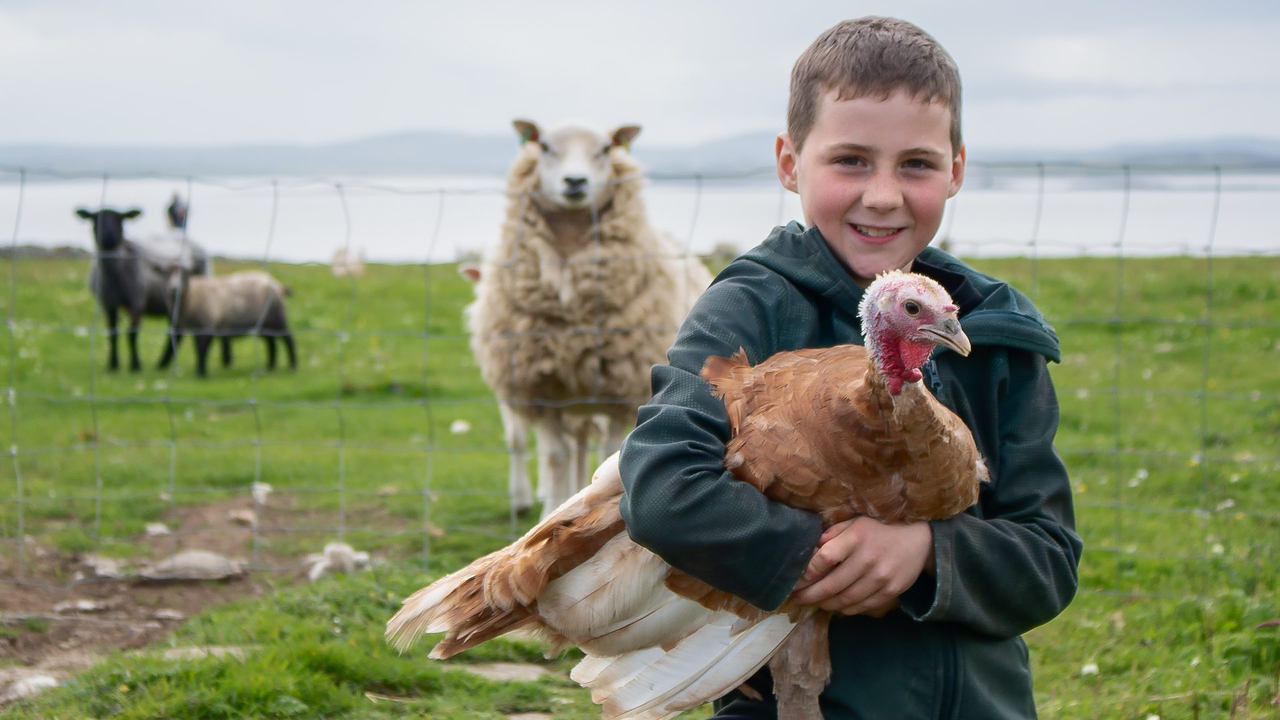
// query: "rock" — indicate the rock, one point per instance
point(157, 529)
point(80, 606)
point(103, 567)
point(506, 671)
point(199, 653)
point(260, 491)
point(193, 565)
point(245, 517)
point(27, 686)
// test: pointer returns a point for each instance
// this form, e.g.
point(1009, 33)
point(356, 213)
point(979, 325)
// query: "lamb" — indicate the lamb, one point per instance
point(128, 274)
point(243, 303)
point(579, 298)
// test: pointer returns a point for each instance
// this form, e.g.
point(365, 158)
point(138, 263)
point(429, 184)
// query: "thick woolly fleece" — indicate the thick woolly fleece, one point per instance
point(578, 307)
point(1006, 565)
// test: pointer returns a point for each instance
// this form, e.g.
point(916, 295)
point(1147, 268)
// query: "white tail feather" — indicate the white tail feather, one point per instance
point(704, 665)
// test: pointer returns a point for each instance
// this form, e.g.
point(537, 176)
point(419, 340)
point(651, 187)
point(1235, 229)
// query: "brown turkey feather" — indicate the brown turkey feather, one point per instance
point(817, 429)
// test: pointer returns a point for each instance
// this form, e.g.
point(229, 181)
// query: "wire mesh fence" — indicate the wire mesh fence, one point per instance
point(1160, 280)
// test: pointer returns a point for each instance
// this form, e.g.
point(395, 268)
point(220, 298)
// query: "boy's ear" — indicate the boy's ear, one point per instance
point(787, 160)
point(957, 173)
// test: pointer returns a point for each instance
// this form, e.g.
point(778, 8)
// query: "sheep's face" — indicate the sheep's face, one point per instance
point(108, 226)
point(575, 168)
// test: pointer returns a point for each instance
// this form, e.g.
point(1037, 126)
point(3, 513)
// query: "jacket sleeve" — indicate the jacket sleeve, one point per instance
point(1010, 563)
point(679, 500)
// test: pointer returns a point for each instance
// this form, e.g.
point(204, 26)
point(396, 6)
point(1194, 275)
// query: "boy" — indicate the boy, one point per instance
point(929, 614)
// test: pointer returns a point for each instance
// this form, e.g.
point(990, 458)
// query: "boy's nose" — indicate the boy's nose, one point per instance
point(882, 192)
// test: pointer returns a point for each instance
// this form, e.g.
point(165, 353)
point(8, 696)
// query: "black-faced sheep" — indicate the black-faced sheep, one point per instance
point(226, 306)
point(131, 275)
point(579, 298)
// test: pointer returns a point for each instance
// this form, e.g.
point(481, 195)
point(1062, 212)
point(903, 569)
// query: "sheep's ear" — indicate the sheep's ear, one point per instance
point(131, 213)
point(85, 213)
point(623, 136)
point(527, 130)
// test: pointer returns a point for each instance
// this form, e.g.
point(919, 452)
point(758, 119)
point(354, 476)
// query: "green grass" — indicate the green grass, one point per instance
point(1170, 425)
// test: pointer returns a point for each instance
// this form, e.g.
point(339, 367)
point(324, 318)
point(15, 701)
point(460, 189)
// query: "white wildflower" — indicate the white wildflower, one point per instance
point(1089, 669)
point(1225, 505)
point(460, 427)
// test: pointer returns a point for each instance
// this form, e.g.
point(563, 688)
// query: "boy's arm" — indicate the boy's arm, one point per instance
point(1013, 564)
point(679, 501)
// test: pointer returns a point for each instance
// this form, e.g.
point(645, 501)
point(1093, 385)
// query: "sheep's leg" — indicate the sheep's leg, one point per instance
point(580, 448)
point(288, 348)
point(617, 421)
point(203, 341)
point(113, 358)
point(517, 437)
point(553, 463)
point(271, 351)
point(135, 319)
point(226, 351)
point(170, 347)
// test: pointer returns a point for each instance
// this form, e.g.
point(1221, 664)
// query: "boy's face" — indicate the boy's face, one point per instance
point(873, 176)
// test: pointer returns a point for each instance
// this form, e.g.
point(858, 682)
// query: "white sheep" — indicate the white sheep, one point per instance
point(243, 303)
point(576, 302)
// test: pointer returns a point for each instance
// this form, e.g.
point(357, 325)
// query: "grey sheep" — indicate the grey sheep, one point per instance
point(226, 306)
point(131, 275)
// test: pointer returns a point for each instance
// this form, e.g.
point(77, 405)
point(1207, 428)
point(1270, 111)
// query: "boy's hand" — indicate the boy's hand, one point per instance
point(863, 565)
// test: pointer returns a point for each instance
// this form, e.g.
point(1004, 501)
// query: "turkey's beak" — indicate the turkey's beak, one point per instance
point(949, 335)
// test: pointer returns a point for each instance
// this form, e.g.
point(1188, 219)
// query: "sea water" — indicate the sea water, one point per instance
point(1011, 211)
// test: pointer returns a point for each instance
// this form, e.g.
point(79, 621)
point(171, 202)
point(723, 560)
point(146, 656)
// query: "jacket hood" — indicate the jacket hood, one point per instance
point(991, 311)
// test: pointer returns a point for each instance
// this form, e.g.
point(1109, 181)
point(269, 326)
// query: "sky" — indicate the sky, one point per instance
point(1084, 74)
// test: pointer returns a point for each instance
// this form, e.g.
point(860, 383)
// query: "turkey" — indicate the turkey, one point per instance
point(840, 431)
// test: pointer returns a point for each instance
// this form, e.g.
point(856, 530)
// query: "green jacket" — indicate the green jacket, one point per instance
point(1006, 565)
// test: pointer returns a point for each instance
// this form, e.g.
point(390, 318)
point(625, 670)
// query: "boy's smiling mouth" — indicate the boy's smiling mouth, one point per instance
point(875, 234)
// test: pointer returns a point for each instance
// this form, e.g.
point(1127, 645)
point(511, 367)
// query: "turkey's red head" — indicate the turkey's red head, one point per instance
point(904, 316)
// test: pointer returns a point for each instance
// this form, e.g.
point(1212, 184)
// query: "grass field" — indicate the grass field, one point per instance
point(1170, 425)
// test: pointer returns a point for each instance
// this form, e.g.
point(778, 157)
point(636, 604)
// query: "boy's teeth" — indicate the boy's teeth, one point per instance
point(875, 232)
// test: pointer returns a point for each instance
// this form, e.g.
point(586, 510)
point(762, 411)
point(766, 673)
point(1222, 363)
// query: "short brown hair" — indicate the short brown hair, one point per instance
point(871, 56)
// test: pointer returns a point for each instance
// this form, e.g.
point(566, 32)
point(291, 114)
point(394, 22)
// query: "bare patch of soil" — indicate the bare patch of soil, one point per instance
point(57, 618)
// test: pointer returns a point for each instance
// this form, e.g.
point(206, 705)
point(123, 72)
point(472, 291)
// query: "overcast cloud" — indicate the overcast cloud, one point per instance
point(1074, 75)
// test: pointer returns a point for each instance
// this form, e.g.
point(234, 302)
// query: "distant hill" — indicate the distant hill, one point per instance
point(433, 152)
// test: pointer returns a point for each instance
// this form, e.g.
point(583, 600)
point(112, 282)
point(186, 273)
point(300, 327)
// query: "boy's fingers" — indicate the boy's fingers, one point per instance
point(833, 531)
point(827, 556)
point(817, 568)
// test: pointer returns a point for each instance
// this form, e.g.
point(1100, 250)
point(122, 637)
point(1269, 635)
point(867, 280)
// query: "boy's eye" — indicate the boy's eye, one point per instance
point(918, 164)
point(851, 160)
